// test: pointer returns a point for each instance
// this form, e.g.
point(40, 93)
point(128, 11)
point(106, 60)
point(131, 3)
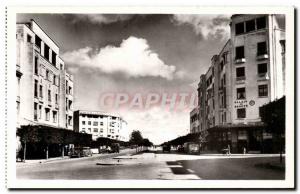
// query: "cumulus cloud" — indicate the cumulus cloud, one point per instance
point(158, 124)
point(206, 25)
point(101, 18)
point(133, 58)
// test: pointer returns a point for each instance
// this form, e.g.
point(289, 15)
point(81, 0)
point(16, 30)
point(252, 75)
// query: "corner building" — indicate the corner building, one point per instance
point(246, 74)
point(44, 88)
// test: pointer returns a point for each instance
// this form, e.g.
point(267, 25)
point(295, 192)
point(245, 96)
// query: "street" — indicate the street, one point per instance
point(155, 165)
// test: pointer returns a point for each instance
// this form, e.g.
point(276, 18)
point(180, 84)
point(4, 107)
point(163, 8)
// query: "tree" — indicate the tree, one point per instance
point(136, 138)
point(147, 143)
point(273, 115)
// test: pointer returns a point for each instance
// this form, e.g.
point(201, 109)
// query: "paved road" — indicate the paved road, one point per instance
point(154, 166)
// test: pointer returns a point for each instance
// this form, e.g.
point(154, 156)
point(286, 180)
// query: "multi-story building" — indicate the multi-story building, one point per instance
point(44, 88)
point(246, 74)
point(101, 124)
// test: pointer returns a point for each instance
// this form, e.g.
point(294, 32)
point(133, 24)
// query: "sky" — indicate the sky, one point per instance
point(135, 60)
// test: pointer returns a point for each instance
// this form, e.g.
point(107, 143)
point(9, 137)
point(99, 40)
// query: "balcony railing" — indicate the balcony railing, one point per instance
point(262, 56)
point(242, 78)
point(240, 60)
point(18, 99)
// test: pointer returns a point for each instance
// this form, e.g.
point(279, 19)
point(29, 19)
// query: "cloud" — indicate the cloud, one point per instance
point(209, 26)
point(133, 58)
point(158, 124)
point(101, 18)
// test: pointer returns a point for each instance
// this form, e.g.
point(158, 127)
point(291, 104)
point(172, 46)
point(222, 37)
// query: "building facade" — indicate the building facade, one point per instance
point(44, 88)
point(246, 74)
point(100, 124)
point(194, 120)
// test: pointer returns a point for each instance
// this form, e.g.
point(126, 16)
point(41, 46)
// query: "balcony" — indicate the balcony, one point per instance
point(18, 99)
point(49, 103)
point(262, 56)
point(240, 60)
point(263, 76)
point(242, 78)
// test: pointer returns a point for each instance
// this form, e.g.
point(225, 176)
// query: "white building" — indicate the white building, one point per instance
point(101, 124)
point(44, 88)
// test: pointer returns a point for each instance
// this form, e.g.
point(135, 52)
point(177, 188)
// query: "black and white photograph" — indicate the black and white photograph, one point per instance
point(151, 99)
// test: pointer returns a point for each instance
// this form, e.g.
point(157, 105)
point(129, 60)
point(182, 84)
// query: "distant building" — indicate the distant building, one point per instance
point(100, 124)
point(44, 88)
point(246, 74)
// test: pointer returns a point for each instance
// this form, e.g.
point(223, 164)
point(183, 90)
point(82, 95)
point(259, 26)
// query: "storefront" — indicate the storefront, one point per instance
point(241, 138)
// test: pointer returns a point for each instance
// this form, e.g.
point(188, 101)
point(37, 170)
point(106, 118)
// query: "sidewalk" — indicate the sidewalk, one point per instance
point(67, 158)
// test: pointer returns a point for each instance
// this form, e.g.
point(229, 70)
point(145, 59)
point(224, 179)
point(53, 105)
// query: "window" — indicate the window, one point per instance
point(95, 123)
point(70, 104)
point(261, 23)
point(41, 91)
point(241, 113)
point(263, 90)
point(47, 111)
point(56, 98)
point(38, 41)
point(46, 52)
point(70, 120)
point(49, 95)
point(61, 66)
point(240, 72)
point(70, 90)
point(239, 28)
point(36, 67)
point(95, 130)
point(239, 52)
point(54, 79)
point(35, 88)
point(67, 104)
point(89, 129)
point(262, 68)
point(54, 58)
point(40, 111)
point(67, 87)
point(241, 93)
point(261, 48)
point(83, 122)
point(89, 122)
point(101, 123)
point(250, 25)
point(28, 38)
point(54, 116)
point(282, 43)
point(47, 74)
point(35, 116)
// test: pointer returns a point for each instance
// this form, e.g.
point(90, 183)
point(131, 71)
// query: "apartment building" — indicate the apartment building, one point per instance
point(246, 74)
point(101, 124)
point(44, 88)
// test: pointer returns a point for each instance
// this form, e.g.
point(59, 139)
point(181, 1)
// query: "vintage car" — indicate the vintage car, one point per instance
point(78, 152)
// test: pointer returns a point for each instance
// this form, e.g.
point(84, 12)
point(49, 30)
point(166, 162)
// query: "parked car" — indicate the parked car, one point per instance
point(191, 148)
point(166, 148)
point(81, 152)
point(115, 148)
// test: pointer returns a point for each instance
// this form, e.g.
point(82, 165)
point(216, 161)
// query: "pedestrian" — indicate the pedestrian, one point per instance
point(228, 147)
point(244, 150)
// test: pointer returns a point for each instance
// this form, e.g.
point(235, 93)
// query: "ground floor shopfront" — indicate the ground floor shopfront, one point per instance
point(243, 139)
